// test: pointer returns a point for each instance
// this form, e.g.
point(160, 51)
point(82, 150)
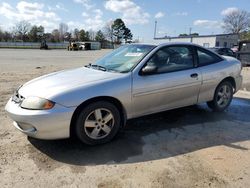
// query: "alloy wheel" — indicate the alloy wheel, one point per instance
point(99, 123)
point(224, 96)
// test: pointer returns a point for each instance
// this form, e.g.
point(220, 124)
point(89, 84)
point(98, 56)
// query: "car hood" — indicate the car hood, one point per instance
point(56, 83)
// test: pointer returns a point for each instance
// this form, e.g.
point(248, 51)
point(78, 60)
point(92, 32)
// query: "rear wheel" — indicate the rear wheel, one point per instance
point(98, 123)
point(222, 97)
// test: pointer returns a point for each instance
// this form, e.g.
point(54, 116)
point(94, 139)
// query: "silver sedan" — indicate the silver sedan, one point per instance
point(94, 102)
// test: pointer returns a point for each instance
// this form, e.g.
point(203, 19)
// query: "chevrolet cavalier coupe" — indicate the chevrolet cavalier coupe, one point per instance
point(94, 102)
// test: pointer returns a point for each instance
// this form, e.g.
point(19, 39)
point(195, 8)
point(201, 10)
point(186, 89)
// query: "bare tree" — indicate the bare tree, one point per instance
point(76, 34)
point(108, 31)
point(92, 35)
point(236, 21)
point(21, 29)
point(63, 28)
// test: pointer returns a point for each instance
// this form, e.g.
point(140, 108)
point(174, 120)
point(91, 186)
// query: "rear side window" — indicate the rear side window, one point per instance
point(206, 58)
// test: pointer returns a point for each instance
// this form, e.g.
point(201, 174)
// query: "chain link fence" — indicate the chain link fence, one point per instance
point(32, 45)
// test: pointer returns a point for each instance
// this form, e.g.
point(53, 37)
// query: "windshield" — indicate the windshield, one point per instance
point(123, 59)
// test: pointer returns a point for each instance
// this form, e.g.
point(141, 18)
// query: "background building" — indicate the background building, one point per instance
point(208, 41)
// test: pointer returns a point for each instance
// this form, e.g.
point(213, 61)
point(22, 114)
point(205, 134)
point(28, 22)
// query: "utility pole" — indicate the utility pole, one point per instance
point(155, 29)
point(190, 34)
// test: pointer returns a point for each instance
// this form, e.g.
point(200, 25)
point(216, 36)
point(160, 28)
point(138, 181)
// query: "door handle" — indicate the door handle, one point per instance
point(194, 75)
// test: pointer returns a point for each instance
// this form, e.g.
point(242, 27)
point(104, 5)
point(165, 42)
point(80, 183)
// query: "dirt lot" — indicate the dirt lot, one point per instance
point(188, 147)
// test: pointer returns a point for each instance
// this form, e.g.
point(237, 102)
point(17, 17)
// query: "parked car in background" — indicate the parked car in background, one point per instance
point(244, 52)
point(73, 46)
point(82, 46)
point(235, 48)
point(223, 51)
point(94, 102)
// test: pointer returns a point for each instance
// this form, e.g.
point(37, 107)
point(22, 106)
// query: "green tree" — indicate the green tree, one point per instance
point(127, 35)
point(118, 28)
point(120, 31)
point(41, 29)
point(183, 35)
point(100, 36)
point(87, 36)
point(187, 35)
point(245, 35)
point(35, 33)
point(82, 35)
point(33, 37)
point(194, 34)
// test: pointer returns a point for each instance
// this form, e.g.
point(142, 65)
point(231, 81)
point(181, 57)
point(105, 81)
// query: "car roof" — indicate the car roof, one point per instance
point(216, 48)
point(177, 43)
point(171, 43)
point(168, 44)
point(219, 48)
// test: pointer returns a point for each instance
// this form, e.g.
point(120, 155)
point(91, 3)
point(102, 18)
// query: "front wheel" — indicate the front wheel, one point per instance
point(98, 123)
point(222, 97)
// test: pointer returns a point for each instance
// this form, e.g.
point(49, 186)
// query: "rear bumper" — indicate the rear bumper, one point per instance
point(42, 124)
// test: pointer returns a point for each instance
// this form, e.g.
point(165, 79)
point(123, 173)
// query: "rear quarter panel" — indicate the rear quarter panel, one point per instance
point(213, 74)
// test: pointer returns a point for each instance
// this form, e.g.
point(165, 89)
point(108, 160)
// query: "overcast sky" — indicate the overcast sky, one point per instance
point(173, 16)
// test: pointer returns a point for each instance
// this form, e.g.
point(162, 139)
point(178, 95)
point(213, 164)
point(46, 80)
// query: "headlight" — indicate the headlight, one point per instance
point(36, 103)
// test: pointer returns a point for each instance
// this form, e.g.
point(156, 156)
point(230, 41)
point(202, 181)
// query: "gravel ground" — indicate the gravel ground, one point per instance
point(188, 147)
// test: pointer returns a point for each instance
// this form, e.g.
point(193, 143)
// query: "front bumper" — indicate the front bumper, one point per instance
point(42, 124)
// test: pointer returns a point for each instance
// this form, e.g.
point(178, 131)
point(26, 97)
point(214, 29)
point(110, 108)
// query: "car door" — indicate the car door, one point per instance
point(175, 82)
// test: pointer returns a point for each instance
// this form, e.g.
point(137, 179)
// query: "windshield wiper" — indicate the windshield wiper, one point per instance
point(99, 67)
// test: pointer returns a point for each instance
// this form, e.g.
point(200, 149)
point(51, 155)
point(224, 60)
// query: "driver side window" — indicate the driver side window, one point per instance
point(172, 58)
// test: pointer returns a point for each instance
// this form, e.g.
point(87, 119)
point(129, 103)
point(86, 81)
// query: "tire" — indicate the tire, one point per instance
point(222, 97)
point(98, 123)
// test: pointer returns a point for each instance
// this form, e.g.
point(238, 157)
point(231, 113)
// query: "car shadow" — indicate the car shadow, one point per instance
point(157, 136)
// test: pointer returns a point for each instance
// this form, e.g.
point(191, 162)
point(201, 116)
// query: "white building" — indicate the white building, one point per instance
point(208, 41)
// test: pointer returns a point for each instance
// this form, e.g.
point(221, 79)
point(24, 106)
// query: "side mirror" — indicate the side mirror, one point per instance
point(149, 69)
